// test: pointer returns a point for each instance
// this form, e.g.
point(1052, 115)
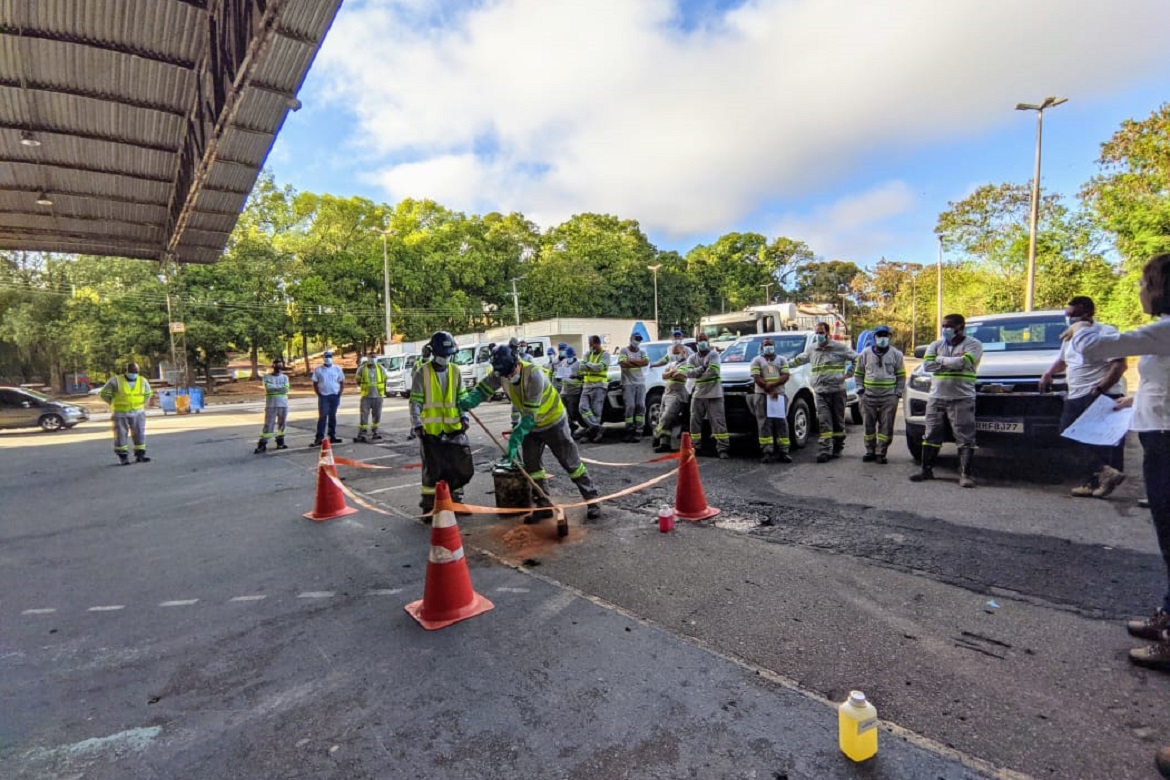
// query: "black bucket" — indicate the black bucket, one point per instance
point(513, 490)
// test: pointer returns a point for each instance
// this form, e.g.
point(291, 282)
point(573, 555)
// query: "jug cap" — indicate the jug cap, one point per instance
point(857, 698)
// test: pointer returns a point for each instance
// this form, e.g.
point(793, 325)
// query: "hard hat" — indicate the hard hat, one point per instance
point(570, 352)
point(550, 352)
point(561, 345)
point(504, 361)
point(443, 344)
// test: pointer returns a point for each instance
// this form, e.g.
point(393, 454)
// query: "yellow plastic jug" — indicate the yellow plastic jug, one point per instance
point(857, 727)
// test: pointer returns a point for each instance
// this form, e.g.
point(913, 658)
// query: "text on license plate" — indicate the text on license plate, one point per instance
point(1000, 426)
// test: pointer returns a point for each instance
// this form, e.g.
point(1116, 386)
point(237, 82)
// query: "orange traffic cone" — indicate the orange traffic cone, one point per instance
point(330, 502)
point(447, 595)
point(690, 502)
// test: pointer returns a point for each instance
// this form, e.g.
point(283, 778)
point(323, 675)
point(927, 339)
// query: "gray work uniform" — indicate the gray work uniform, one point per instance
point(674, 399)
point(952, 391)
point(129, 426)
point(532, 394)
point(372, 380)
point(633, 387)
point(773, 431)
point(882, 375)
point(593, 369)
point(827, 363)
point(275, 407)
point(570, 390)
point(707, 400)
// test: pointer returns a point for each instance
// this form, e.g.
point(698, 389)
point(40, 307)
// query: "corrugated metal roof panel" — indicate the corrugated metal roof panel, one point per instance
point(66, 150)
point(135, 24)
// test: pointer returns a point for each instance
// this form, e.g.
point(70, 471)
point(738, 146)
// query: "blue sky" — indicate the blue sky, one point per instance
point(843, 123)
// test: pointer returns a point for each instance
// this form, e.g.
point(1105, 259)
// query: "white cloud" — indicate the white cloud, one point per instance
point(852, 227)
point(557, 106)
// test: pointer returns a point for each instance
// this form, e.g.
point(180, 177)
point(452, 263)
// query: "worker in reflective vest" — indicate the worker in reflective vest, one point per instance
point(275, 408)
point(543, 423)
point(371, 379)
point(127, 395)
point(435, 391)
point(594, 374)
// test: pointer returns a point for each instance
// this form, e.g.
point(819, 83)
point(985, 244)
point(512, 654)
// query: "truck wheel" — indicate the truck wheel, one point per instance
point(653, 412)
point(799, 424)
point(914, 442)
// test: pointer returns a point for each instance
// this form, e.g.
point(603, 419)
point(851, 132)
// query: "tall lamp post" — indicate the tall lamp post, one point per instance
point(386, 233)
point(655, 269)
point(767, 292)
point(938, 315)
point(1049, 102)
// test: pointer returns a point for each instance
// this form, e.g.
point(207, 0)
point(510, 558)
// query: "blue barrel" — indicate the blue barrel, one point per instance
point(196, 394)
point(166, 399)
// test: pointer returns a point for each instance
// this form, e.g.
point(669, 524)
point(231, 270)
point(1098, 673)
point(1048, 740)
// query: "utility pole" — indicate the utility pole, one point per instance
point(1049, 102)
point(386, 232)
point(939, 293)
point(516, 299)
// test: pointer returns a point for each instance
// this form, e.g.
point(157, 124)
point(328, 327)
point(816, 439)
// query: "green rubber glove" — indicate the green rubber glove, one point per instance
point(472, 399)
point(516, 438)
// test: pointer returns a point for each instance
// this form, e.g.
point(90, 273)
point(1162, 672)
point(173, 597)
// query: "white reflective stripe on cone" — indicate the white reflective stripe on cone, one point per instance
point(443, 519)
point(443, 555)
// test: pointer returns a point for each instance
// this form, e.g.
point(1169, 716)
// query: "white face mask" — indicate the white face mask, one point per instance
point(132, 377)
point(949, 334)
point(328, 361)
point(441, 362)
point(515, 378)
point(883, 341)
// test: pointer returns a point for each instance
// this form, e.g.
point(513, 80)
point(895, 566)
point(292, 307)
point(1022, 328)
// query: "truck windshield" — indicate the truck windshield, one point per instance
point(1019, 334)
point(464, 356)
point(787, 347)
point(729, 330)
point(393, 363)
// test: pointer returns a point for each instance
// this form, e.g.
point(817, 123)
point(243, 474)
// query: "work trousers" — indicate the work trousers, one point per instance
point(1096, 457)
point(959, 412)
point(1156, 470)
point(327, 414)
point(572, 402)
point(129, 426)
point(634, 400)
point(428, 479)
point(371, 407)
point(274, 420)
point(831, 420)
point(560, 443)
point(711, 410)
point(877, 414)
point(670, 419)
point(773, 431)
point(592, 404)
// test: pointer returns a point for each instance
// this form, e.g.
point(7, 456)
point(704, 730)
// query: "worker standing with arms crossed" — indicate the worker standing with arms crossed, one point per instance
point(953, 362)
point(881, 380)
point(828, 360)
point(543, 423)
point(275, 408)
point(595, 380)
point(674, 395)
point(371, 379)
point(633, 359)
point(707, 399)
point(127, 395)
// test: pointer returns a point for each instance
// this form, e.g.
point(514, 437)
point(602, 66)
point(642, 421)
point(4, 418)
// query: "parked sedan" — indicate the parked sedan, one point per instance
point(27, 409)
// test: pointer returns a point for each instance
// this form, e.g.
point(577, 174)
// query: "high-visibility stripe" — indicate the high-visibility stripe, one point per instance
point(440, 554)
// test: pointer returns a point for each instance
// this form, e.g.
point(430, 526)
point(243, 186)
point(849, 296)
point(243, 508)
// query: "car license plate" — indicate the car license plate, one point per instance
point(1000, 426)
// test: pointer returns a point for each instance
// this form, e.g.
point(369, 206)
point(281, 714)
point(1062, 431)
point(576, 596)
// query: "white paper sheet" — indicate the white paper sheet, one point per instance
point(1100, 424)
point(778, 406)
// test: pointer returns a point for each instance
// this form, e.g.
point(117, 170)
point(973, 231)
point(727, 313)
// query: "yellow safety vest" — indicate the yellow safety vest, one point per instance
point(591, 377)
point(130, 398)
point(372, 388)
point(440, 412)
point(547, 410)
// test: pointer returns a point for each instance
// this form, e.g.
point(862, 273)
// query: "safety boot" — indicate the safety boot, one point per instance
point(427, 505)
point(783, 457)
point(767, 456)
point(869, 457)
point(261, 448)
point(280, 445)
point(1151, 628)
point(928, 455)
point(123, 459)
point(1107, 481)
point(140, 457)
point(375, 436)
point(540, 499)
point(360, 438)
point(966, 455)
point(598, 435)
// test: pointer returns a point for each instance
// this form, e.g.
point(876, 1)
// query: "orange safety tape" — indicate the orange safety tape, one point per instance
point(357, 464)
point(659, 459)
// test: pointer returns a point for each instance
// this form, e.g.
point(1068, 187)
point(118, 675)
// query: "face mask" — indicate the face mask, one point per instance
point(769, 350)
point(561, 355)
point(634, 345)
point(883, 341)
point(277, 369)
point(441, 362)
point(516, 378)
point(703, 346)
point(822, 338)
point(678, 340)
point(328, 361)
point(949, 334)
point(132, 377)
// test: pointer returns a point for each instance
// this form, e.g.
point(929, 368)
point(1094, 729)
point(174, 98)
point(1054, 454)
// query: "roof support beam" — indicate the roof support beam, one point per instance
point(117, 48)
point(29, 127)
point(121, 100)
point(50, 214)
point(86, 169)
point(87, 196)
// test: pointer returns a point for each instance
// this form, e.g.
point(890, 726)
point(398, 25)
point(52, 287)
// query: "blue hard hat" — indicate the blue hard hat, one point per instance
point(504, 361)
point(570, 352)
point(561, 345)
point(677, 332)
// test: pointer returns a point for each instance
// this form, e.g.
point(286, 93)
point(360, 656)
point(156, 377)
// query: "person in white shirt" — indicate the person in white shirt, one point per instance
point(1087, 380)
point(329, 384)
point(1151, 421)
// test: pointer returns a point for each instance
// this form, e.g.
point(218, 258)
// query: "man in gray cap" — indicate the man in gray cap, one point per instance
point(881, 380)
point(328, 384)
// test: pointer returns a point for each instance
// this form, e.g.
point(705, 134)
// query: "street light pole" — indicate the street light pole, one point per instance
point(938, 315)
point(516, 299)
point(767, 292)
point(386, 232)
point(1049, 102)
point(654, 269)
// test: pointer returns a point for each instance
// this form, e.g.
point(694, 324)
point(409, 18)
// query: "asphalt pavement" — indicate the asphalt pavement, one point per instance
point(182, 619)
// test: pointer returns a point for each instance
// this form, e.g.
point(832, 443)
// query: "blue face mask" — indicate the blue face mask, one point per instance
point(328, 361)
point(949, 334)
point(703, 346)
point(132, 377)
point(883, 341)
point(822, 338)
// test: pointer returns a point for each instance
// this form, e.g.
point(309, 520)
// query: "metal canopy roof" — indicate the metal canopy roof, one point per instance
point(141, 125)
